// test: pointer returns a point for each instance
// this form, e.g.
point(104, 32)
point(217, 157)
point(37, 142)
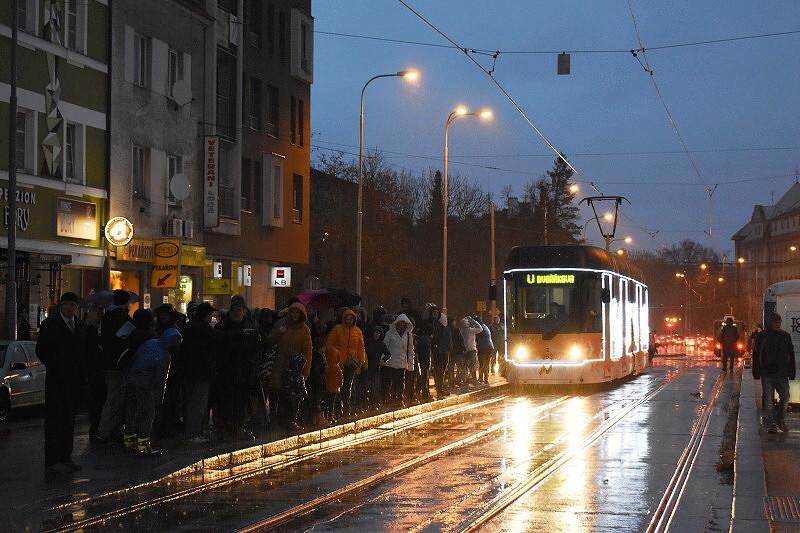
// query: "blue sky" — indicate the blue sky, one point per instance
point(725, 96)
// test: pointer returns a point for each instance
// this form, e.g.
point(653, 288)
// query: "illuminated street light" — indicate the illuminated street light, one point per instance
point(458, 112)
point(620, 251)
point(628, 240)
point(703, 266)
point(608, 217)
point(573, 188)
point(793, 248)
point(740, 260)
point(720, 279)
point(410, 75)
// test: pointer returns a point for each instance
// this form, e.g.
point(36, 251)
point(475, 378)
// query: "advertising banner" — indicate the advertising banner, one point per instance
point(211, 183)
point(166, 263)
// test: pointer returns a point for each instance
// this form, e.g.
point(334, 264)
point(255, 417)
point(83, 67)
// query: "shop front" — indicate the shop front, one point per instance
point(225, 277)
point(59, 247)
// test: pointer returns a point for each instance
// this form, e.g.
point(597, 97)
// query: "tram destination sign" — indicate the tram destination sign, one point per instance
point(550, 279)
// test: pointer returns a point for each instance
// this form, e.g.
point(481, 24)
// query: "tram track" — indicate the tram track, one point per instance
point(315, 451)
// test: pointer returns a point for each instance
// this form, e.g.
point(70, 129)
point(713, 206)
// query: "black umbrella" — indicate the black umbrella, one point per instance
point(106, 298)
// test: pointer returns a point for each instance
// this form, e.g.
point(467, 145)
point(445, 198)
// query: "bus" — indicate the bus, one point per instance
point(573, 314)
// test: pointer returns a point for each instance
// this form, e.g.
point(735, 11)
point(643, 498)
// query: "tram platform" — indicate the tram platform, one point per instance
point(25, 491)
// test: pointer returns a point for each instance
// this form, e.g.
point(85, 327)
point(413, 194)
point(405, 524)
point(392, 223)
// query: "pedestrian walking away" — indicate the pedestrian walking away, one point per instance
point(114, 329)
point(196, 363)
point(483, 341)
point(60, 346)
point(773, 363)
point(727, 338)
point(469, 330)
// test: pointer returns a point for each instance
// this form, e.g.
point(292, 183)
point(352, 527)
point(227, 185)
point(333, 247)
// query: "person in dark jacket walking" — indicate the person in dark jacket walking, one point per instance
point(728, 337)
point(456, 366)
point(196, 365)
point(483, 341)
point(773, 363)
point(112, 341)
point(376, 353)
point(60, 346)
point(441, 345)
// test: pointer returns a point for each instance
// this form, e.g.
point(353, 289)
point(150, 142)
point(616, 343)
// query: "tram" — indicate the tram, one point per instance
point(573, 315)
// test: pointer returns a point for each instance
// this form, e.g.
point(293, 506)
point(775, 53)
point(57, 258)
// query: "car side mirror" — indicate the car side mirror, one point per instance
point(18, 365)
point(605, 295)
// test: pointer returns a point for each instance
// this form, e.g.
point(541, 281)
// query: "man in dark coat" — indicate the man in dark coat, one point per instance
point(197, 365)
point(728, 337)
point(113, 341)
point(60, 347)
point(773, 363)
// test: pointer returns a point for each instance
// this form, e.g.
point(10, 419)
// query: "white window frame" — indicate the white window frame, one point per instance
point(31, 8)
point(174, 166)
point(80, 8)
point(141, 60)
point(302, 46)
point(272, 167)
point(175, 70)
point(28, 145)
point(140, 155)
point(74, 144)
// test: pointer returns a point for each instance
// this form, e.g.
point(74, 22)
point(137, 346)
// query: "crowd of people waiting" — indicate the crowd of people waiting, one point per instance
point(234, 374)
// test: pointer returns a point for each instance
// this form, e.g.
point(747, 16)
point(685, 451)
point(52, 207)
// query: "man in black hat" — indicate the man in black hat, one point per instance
point(114, 331)
point(60, 347)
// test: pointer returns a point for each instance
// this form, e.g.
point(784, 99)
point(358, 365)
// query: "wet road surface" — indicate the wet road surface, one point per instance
point(599, 461)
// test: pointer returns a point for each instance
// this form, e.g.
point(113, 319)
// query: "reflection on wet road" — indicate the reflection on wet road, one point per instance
point(599, 461)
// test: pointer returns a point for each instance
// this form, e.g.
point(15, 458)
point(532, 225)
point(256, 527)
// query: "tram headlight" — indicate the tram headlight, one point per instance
point(521, 353)
point(576, 353)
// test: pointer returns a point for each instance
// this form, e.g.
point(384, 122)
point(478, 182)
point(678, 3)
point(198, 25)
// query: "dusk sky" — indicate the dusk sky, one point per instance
point(735, 103)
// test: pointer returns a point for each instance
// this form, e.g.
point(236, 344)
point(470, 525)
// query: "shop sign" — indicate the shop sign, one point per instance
point(211, 183)
point(166, 263)
point(136, 250)
point(247, 275)
point(61, 259)
point(217, 269)
point(77, 219)
point(25, 200)
point(119, 231)
point(194, 256)
point(281, 276)
point(213, 286)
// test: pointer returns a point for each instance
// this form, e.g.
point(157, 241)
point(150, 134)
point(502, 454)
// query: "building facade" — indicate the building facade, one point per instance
point(768, 250)
point(62, 149)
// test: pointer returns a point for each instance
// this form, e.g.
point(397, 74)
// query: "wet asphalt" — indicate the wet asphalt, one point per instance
point(613, 484)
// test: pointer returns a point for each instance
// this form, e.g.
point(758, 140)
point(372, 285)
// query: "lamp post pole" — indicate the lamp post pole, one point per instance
point(408, 74)
point(11, 217)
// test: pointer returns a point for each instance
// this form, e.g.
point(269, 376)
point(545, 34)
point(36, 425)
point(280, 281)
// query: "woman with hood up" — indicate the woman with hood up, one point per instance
point(399, 342)
point(291, 336)
point(348, 339)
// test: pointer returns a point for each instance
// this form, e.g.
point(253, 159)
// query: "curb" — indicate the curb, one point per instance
point(749, 482)
point(240, 457)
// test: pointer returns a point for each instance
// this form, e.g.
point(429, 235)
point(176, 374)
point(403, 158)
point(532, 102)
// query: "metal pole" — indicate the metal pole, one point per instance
point(493, 271)
point(445, 194)
point(11, 215)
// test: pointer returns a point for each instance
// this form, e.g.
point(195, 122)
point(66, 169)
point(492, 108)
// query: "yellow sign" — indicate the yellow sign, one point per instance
point(194, 256)
point(166, 263)
point(213, 286)
point(551, 279)
point(136, 250)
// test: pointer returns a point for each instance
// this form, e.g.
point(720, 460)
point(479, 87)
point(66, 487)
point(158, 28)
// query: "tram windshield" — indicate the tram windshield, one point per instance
point(551, 303)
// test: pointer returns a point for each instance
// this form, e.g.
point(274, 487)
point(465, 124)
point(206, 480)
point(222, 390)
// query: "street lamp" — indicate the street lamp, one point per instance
point(458, 112)
point(408, 74)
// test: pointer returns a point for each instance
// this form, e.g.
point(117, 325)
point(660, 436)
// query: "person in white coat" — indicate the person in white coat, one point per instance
point(399, 342)
point(469, 329)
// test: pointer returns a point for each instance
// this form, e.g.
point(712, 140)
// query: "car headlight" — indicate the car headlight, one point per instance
point(521, 353)
point(576, 353)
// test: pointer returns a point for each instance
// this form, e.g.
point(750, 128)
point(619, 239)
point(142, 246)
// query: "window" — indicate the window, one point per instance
point(74, 24)
point(258, 179)
point(253, 14)
point(252, 103)
point(277, 191)
point(141, 60)
point(301, 121)
point(21, 138)
point(175, 69)
point(272, 111)
point(227, 5)
point(26, 15)
point(174, 166)
point(305, 62)
point(293, 120)
point(140, 167)
point(282, 36)
point(25, 136)
point(297, 199)
point(272, 191)
point(271, 28)
point(247, 184)
point(226, 93)
point(73, 152)
point(302, 46)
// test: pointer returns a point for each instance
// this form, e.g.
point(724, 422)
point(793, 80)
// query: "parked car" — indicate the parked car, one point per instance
point(22, 376)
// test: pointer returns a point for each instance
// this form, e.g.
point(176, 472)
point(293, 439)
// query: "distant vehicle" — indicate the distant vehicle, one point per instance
point(22, 376)
point(741, 346)
point(574, 314)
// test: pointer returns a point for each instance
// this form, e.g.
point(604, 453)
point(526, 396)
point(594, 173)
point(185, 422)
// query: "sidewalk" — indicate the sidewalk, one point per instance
point(25, 495)
point(767, 484)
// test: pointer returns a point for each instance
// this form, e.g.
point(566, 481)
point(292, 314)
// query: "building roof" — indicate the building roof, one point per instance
point(756, 226)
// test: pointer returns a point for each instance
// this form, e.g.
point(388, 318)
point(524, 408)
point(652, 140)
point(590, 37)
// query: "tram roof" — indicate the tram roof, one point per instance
point(570, 256)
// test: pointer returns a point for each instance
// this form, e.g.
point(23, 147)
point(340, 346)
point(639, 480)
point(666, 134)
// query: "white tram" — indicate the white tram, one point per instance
point(573, 314)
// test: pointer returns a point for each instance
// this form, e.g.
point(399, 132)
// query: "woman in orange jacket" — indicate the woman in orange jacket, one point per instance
point(348, 340)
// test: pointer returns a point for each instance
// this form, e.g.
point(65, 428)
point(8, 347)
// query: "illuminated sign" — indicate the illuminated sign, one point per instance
point(551, 279)
point(119, 231)
point(281, 276)
point(211, 185)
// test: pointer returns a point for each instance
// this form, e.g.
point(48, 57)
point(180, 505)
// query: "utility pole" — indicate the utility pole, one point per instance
point(493, 271)
point(11, 214)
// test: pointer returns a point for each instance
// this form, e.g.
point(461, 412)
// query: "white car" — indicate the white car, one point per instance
point(22, 376)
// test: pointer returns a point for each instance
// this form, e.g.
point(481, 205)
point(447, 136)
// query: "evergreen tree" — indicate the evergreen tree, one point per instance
point(562, 213)
point(436, 205)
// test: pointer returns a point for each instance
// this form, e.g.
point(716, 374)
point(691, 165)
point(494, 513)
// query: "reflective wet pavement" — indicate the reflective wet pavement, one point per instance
point(615, 483)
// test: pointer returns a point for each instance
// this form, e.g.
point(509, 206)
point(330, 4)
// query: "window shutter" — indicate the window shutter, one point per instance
point(129, 57)
point(158, 173)
point(159, 66)
point(272, 193)
point(187, 68)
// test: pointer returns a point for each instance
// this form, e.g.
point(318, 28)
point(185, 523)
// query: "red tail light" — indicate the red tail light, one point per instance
point(740, 345)
point(719, 346)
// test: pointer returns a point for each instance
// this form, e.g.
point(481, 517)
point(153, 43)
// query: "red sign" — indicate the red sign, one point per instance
point(211, 183)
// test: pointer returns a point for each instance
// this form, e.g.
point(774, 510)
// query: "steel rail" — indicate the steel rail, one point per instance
point(373, 434)
point(668, 506)
point(546, 470)
point(307, 507)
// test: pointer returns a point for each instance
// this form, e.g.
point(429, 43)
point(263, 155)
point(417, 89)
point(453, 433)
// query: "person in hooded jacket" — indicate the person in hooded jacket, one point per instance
point(196, 363)
point(456, 369)
point(145, 382)
point(348, 339)
point(376, 353)
point(485, 346)
point(238, 349)
point(291, 336)
point(169, 414)
point(399, 342)
point(441, 345)
point(469, 330)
